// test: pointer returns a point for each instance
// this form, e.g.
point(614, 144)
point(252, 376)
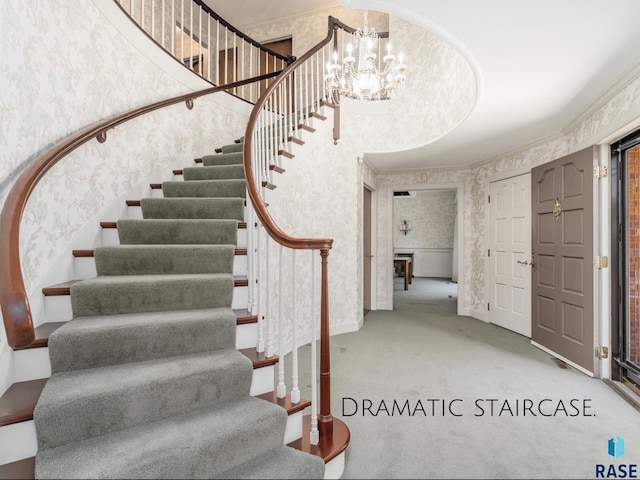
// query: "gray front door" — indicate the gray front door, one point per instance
point(562, 240)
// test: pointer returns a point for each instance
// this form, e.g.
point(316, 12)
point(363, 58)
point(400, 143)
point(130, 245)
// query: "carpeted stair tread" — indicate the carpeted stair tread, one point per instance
point(216, 172)
point(233, 158)
point(192, 208)
point(97, 341)
point(163, 259)
point(79, 404)
point(233, 148)
point(280, 462)
point(116, 294)
point(199, 444)
point(181, 231)
point(234, 188)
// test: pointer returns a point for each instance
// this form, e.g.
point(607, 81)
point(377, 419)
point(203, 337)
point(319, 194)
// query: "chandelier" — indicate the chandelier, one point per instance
point(365, 77)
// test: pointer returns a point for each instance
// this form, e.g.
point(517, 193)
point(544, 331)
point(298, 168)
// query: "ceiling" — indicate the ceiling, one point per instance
point(540, 64)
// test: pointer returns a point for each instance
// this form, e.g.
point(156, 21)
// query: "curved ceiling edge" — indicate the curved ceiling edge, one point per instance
point(411, 16)
point(425, 114)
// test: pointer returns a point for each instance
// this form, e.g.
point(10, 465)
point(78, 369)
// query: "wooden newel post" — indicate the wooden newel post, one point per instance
point(325, 420)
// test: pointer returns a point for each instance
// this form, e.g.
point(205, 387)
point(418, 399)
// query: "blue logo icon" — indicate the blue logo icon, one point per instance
point(616, 447)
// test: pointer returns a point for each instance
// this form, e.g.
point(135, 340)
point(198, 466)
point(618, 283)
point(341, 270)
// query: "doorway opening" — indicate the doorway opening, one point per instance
point(425, 237)
point(625, 183)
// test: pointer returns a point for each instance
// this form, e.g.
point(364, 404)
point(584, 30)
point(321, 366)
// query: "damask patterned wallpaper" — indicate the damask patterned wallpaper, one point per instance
point(431, 216)
point(63, 66)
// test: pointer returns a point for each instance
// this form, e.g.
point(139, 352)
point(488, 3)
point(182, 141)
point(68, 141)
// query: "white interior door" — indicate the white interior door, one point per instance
point(510, 254)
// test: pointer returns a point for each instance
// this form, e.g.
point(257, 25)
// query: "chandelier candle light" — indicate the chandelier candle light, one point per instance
point(365, 77)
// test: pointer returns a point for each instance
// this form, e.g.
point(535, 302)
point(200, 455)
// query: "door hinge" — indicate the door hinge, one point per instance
point(489, 199)
point(602, 352)
point(601, 171)
point(601, 262)
point(488, 306)
point(488, 252)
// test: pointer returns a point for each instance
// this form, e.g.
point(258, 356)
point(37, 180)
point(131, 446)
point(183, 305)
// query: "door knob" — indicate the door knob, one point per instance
point(523, 263)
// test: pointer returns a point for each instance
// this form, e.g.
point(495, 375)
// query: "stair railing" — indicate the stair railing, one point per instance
point(14, 302)
point(205, 43)
point(285, 110)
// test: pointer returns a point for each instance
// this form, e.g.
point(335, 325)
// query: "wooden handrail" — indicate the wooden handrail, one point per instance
point(325, 419)
point(261, 211)
point(14, 303)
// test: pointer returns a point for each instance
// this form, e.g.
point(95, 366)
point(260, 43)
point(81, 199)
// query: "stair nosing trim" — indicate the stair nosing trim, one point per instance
point(258, 359)
point(64, 289)
point(25, 413)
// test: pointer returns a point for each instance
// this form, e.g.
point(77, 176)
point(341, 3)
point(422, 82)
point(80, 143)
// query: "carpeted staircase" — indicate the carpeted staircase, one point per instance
point(146, 381)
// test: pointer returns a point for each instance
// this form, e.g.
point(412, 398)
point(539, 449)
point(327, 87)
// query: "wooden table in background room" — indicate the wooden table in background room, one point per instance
point(405, 263)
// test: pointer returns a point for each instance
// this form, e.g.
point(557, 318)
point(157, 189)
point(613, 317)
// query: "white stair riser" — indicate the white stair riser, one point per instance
point(335, 468)
point(110, 237)
point(262, 381)
point(246, 336)
point(294, 427)
point(85, 267)
point(57, 308)
point(31, 364)
point(18, 442)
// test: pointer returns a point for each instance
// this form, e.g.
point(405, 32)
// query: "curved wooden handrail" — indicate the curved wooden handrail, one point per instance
point(261, 211)
point(16, 312)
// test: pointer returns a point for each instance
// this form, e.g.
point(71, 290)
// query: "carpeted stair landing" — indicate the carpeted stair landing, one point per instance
point(146, 381)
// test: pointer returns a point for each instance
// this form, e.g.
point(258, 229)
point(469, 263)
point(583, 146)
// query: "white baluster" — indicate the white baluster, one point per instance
point(260, 276)
point(295, 391)
point(191, 36)
point(251, 275)
point(314, 435)
point(251, 48)
point(281, 390)
point(306, 93)
point(217, 64)
point(173, 28)
point(267, 280)
point(313, 83)
point(226, 55)
point(209, 49)
point(200, 54)
point(181, 30)
point(162, 26)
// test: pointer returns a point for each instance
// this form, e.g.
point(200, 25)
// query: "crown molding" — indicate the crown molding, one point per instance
point(605, 98)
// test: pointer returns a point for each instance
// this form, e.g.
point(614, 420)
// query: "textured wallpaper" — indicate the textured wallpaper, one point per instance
point(398, 124)
point(431, 216)
point(61, 72)
point(63, 66)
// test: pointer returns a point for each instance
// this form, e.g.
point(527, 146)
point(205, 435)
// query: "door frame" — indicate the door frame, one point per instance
point(461, 197)
point(374, 244)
